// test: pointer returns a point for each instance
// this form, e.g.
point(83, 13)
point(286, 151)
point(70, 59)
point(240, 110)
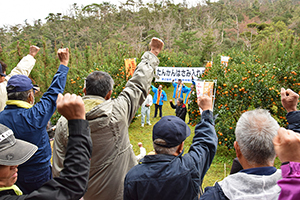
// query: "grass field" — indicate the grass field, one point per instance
point(222, 162)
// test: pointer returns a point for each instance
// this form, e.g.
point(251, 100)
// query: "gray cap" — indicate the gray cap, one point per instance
point(14, 151)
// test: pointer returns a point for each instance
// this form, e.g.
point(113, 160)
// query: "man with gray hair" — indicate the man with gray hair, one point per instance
point(109, 120)
point(254, 148)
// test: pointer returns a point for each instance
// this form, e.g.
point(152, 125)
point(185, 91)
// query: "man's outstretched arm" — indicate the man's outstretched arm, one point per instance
point(73, 180)
point(42, 111)
point(205, 141)
point(24, 67)
point(26, 64)
point(136, 89)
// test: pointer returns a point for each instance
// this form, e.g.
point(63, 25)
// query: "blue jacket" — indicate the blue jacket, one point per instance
point(214, 193)
point(30, 124)
point(183, 90)
point(188, 93)
point(164, 176)
point(163, 96)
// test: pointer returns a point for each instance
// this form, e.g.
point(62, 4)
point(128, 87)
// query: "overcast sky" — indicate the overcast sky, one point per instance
point(17, 11)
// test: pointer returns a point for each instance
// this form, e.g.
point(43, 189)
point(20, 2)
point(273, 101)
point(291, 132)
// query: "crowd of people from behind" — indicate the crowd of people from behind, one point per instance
point(92, 154)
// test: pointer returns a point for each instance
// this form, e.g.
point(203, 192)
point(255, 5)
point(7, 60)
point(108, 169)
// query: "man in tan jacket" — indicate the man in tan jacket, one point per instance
point(24, 67)
point(109, 120)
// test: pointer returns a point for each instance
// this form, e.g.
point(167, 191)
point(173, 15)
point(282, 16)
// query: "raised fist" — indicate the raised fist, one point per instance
point(63, 55)
point(156, 45)
point(70, 106)
point(33, 50)
point(287, 145)
point(205, 102)
point(289, 99)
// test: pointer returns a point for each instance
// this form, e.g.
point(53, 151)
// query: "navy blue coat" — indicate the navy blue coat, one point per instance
point(175, 177)
point(30, 124)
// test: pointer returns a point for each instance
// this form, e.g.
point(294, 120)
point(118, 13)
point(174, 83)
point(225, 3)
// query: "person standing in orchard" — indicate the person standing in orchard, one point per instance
point(180, 108)
point(179, 89)
point(189, 92)
point(145, 109)
point(159, 97)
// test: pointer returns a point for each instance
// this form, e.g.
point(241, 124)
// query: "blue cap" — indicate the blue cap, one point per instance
point(172, 130)
point(1, 72)
point(19, 83)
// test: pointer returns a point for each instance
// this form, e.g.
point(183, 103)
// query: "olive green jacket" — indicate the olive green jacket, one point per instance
point(109, 120)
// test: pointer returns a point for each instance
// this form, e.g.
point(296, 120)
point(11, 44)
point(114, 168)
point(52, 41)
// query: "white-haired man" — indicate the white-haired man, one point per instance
point(254, 148)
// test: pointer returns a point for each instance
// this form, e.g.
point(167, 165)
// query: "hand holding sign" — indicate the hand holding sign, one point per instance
point(205, 88)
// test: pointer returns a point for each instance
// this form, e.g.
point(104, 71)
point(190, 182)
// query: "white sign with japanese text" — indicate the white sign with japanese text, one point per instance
point(167, 74)
point(203, 87)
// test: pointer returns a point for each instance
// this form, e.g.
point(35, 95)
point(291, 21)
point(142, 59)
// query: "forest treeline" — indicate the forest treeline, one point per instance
point(204, 30)
point(261, 38)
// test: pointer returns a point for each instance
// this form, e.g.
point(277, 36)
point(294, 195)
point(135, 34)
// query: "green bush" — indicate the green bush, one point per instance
point(244, 85)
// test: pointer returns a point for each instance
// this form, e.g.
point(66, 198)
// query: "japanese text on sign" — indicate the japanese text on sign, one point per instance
point(167, 74)
point(203, 87)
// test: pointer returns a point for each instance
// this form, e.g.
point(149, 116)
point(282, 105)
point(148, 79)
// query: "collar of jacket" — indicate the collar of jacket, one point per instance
point(260, 170)
point(159, 158)
point(19, 103)
point(90, 101)
point(14, 188)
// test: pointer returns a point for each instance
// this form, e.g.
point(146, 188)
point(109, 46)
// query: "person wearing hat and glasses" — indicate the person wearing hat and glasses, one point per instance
point(168, 174)
point(29, 122)
point(24, 67)
point(72, 182)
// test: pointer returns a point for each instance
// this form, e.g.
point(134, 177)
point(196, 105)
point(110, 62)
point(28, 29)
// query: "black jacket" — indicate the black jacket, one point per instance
point(180, 110)
point(73, 180)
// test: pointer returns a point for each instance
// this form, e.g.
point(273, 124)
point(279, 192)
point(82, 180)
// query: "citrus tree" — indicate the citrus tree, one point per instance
point(244, 85)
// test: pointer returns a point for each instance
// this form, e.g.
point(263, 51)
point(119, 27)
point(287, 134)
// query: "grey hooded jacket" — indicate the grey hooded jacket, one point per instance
point(109, 120)
point(243, 186)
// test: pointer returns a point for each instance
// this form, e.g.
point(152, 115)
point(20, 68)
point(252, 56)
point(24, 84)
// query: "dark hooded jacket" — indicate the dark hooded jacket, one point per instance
point(179, 110)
